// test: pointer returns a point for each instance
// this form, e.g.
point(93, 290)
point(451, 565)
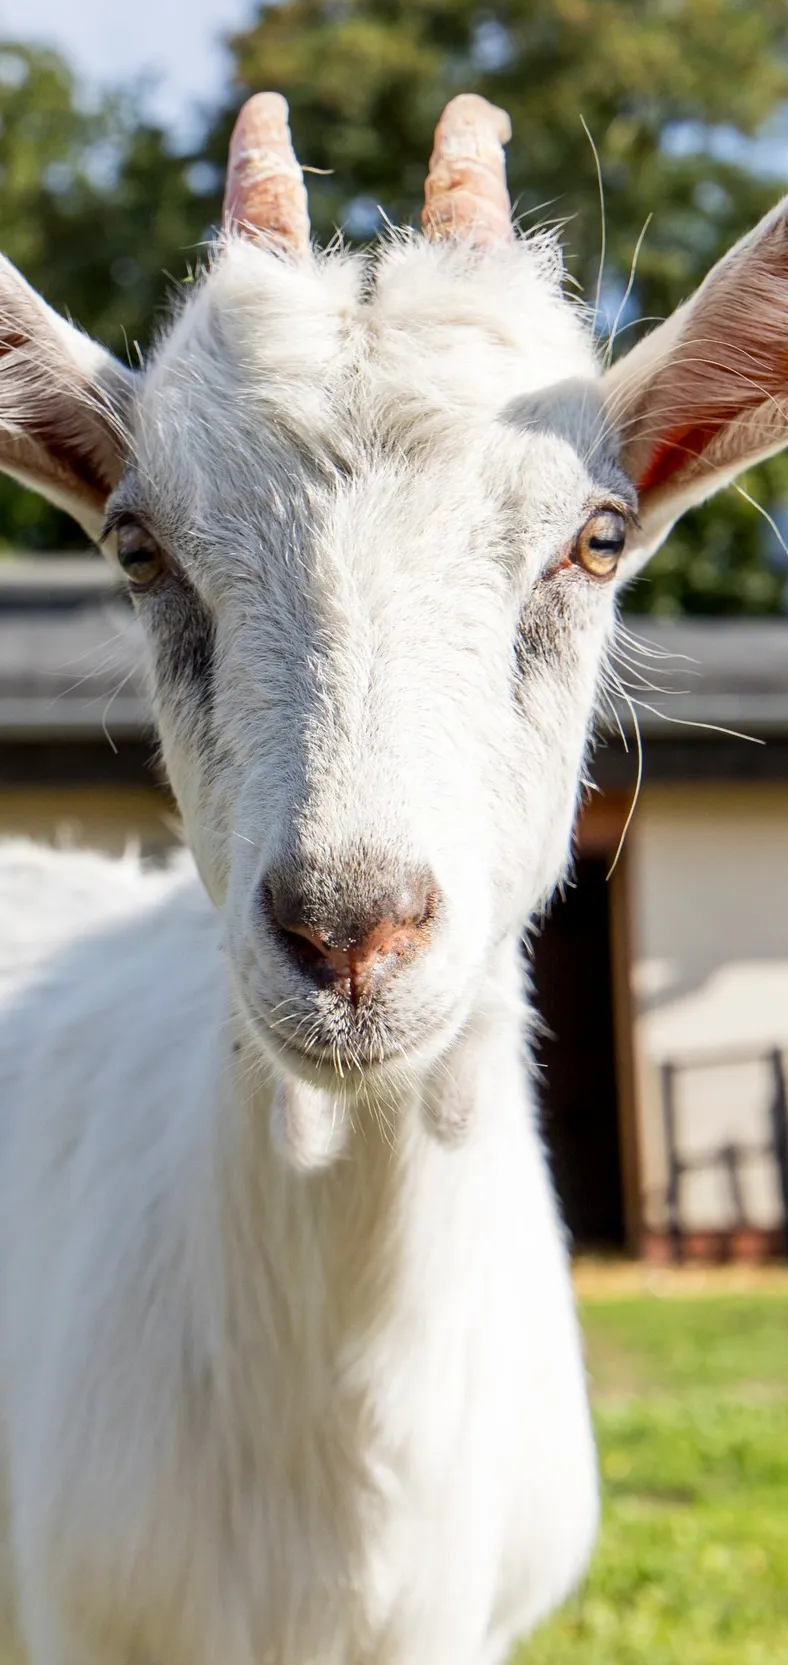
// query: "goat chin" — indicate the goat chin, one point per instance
point(332, 1352)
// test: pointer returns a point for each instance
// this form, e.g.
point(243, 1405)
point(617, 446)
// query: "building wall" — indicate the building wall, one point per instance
point(708, 903)
point(99, 817)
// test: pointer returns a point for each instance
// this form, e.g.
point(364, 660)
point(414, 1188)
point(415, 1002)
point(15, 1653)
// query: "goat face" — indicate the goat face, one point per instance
point(372, 512)
point(374, 642)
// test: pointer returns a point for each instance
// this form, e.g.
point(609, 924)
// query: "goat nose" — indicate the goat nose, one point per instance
point(354, 945)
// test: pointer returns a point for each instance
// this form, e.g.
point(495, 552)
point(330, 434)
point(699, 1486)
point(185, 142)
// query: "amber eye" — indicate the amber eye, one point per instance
point(139, 555)
point(599, 545)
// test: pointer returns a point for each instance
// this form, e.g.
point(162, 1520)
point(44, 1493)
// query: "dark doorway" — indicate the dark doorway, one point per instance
point(574, 996)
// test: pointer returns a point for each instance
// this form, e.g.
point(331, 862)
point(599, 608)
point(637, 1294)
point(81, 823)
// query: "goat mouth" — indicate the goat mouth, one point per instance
point(329, 1044)
point(334, 1069)
point(325, 1059)
point(336, 1064)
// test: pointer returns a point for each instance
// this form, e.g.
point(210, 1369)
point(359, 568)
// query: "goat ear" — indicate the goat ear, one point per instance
point(63, 403)
point(706, 393)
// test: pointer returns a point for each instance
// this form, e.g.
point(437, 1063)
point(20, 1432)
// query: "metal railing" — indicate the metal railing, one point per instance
point(729, 1157)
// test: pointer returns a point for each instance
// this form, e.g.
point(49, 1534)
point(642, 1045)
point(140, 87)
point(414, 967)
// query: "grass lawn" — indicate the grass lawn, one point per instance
point(691, 1406)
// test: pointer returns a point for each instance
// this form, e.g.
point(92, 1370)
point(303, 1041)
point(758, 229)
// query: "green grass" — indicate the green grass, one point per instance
point(691, 1407)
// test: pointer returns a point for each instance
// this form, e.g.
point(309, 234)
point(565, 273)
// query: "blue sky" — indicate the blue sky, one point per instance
point(178, 41)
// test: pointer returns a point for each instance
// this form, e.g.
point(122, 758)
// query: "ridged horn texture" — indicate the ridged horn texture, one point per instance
point(265, 193)
point(465, 195)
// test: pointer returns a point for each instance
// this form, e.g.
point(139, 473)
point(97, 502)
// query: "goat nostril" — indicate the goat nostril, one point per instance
point(309, 944)
point(304, 945)
point(312, 938)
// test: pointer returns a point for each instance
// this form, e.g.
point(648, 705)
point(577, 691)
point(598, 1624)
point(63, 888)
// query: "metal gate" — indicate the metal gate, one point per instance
point(730, 1158)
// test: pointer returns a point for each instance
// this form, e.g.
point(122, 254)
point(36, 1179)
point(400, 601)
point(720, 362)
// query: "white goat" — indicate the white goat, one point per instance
point(291, 1370)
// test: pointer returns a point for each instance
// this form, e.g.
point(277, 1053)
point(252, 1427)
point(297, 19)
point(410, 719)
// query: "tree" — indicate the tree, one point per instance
point(670, 91)
point(93, 206)
point(680, 97)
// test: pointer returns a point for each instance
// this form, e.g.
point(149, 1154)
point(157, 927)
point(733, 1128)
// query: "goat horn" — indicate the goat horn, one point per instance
point(465, 194)
point(265, 191)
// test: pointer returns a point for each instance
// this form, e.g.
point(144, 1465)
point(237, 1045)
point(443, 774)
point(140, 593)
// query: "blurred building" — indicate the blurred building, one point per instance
point(664, 988)
point(77, 750)
point(666, 1105)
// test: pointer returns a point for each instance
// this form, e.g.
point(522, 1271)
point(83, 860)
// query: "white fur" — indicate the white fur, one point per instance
point(292, 1372)
point(257, 1415)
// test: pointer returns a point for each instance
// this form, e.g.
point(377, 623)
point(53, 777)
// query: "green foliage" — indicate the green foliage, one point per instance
point(723, 558)
point(678, 95)
point(669, 90)
point(93, 205)
point(367, 80)
point(691, 1408)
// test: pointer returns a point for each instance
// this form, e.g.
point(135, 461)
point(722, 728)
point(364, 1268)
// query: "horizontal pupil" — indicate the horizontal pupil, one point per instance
point(609, 546)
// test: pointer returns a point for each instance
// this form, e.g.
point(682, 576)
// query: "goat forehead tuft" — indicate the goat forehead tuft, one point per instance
point(407, 342)
point(501, 314)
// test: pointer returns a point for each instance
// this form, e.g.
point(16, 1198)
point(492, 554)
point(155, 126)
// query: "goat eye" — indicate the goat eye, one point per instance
point(599, 546)
point(139, 555)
